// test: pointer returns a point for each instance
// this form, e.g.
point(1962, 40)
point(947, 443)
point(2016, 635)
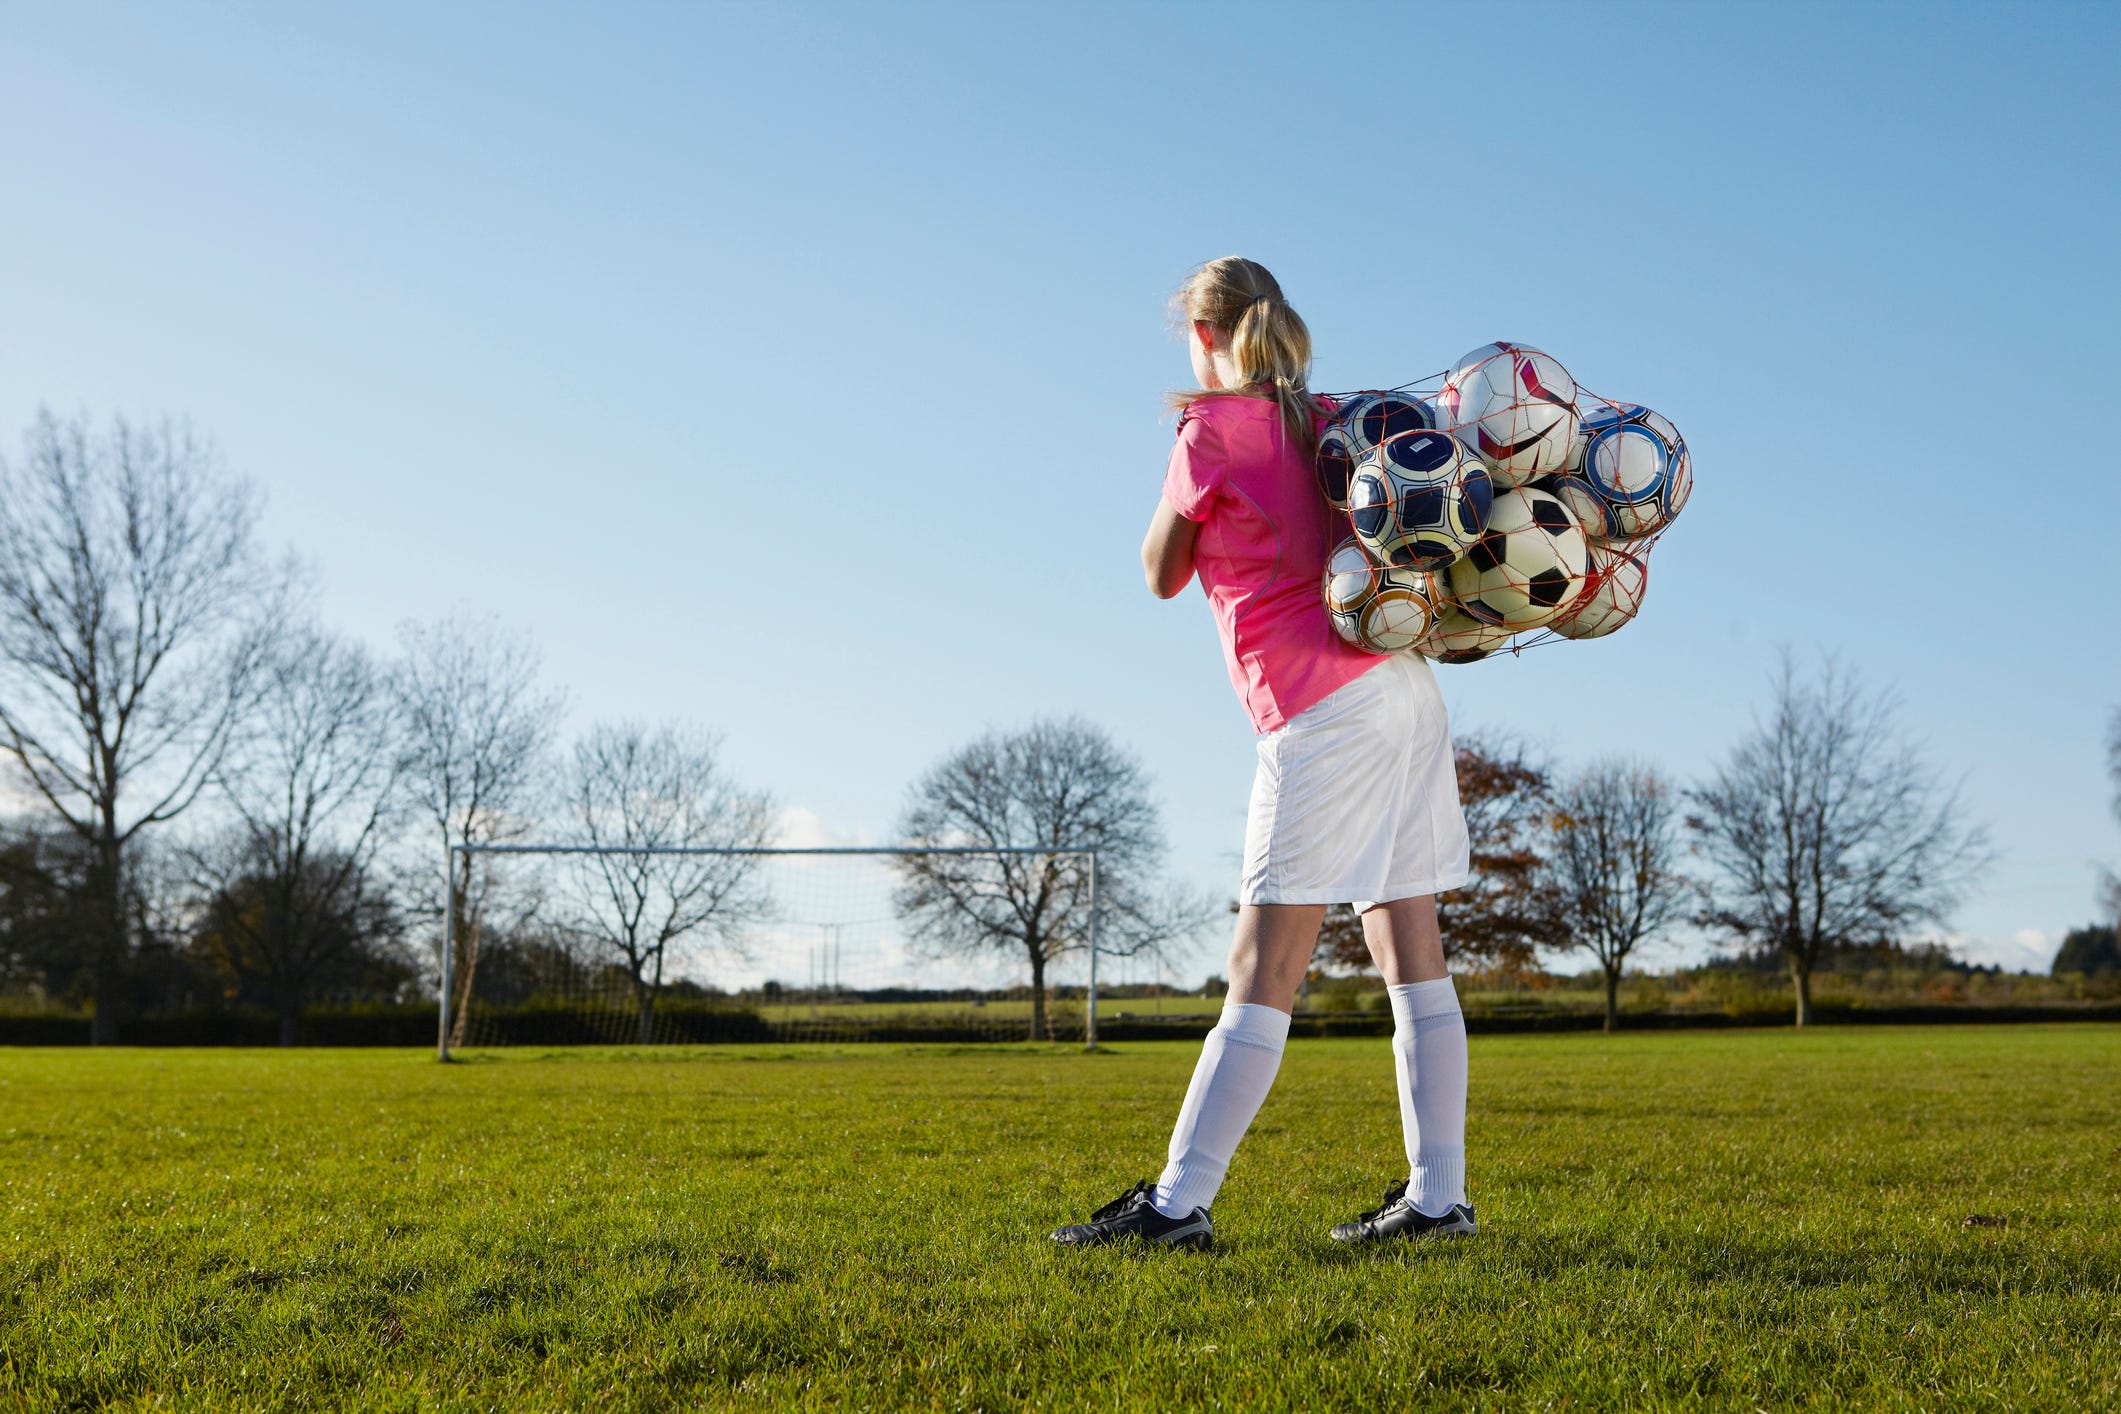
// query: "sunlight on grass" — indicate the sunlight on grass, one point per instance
point(1742, 1218)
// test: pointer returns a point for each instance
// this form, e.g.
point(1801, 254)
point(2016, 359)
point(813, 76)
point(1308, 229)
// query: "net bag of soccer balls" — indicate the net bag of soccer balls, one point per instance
point(1502, 507)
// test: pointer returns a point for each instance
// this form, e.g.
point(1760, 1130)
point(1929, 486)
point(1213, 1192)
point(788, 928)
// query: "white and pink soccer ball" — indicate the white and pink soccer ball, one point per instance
point(1515, 407)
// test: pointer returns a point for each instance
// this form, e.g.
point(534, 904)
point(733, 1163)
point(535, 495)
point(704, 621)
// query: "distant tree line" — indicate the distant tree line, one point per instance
point(219, 801)
point(1821, 834)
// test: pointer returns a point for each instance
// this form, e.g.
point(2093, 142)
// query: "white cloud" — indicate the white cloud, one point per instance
point(799, 828)
point(2023, 950)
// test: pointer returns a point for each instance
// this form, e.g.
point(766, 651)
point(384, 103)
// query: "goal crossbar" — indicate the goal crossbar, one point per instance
point(449, 897)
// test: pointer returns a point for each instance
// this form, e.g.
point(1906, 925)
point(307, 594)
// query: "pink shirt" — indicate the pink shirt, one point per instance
point(1265, 533)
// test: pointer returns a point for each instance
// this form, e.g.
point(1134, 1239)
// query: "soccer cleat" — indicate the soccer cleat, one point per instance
point(1133, 1214)
point(1396, 1217)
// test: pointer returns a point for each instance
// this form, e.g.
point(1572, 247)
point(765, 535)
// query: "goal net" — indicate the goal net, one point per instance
point(565, 945)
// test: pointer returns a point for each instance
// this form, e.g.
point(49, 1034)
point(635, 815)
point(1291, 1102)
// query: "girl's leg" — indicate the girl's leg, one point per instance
point(1428, 1049)
point(1268, 959)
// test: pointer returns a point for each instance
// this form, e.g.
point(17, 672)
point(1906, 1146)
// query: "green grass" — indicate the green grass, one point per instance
point(1735, 1219)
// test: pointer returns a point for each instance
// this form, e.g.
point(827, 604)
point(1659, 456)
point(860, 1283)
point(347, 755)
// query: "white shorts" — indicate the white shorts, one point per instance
point(1356, 797)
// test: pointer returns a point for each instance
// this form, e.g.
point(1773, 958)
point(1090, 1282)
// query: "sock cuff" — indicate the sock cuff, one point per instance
point(1246, 1024)
point(1438, 1180)
point(1187, 1184)
point(1411, 1001)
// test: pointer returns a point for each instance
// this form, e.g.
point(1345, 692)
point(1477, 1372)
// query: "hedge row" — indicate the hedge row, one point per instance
point(415, 1026)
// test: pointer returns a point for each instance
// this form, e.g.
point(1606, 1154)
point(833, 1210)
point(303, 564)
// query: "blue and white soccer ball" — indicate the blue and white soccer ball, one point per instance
point(1513, 405)
point(1419, 500)
point(1359, 424)
point(1376, 607)
point(1634, 463)
point(1371, 418)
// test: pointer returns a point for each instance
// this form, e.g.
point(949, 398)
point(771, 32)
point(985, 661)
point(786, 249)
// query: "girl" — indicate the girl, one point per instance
point(1355, 799)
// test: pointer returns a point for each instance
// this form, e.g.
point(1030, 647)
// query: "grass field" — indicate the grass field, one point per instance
point(1747, 1219)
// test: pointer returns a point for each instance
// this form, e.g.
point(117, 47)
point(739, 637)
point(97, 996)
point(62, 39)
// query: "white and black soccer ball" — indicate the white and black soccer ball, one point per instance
point(1419, 500)
point(1636, 463)
point(1358, 425)
point(1376, 607)
point(1528, 567)
point(1458, 637)
point(1513, 405)
point(1611, 596)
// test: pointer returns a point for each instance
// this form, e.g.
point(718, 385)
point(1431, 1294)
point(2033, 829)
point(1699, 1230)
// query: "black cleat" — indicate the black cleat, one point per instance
point(1133, 1214)
point(1396, 1217)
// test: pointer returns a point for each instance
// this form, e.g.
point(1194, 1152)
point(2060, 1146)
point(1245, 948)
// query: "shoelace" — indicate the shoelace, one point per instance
point(1128, 1200)
point(1392, 1195)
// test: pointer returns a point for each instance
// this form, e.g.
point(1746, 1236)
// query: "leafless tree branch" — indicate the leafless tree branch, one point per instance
point(134, 615)
point(1828, 830)
point(1060, 785)
point(1613, 870)
point(637, 788)
point(478, 734)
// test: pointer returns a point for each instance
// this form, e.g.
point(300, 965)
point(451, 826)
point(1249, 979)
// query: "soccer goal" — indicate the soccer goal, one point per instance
point(556, 944)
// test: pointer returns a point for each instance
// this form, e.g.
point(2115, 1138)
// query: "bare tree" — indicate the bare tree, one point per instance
point(633, 788)
point(134, 611)
point(478, 737)
point(1056, 785)
point(291, 888)
point(1828, 830)
point(1613, 867)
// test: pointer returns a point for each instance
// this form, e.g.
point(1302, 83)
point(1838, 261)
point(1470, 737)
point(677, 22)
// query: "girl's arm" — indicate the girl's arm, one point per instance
point(1167, 553)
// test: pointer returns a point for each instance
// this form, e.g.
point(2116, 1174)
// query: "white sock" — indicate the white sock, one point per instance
point(1429, 1052)
point(1236, 1070)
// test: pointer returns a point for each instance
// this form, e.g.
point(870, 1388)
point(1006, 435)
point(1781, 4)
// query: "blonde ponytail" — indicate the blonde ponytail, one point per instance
point(1268, 340)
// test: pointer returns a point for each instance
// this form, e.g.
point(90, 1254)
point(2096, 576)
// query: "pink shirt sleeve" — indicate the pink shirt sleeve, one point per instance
point(1198, 469)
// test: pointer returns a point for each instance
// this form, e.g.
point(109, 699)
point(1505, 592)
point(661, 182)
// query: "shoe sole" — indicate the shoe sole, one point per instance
point(1432, 1234)
point(1191, 1242)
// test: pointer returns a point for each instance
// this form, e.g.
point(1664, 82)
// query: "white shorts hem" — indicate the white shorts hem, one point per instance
point(1383, 893)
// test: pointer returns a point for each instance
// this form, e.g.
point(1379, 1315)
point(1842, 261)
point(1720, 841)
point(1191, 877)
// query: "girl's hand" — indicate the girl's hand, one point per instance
point(1167, 553)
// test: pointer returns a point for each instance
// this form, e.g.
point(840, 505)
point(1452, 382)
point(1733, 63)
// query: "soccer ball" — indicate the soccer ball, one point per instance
point(1372, 417)
point(1458, 637)
point(1590, 408)
point(1513, 405)
point(1528, 567)
point(1589, 508)
point(1376, 607)
point(1335, 461)
point(1419, 500)
point(1358, 425)
point(1612, 593)
point(1635, 462)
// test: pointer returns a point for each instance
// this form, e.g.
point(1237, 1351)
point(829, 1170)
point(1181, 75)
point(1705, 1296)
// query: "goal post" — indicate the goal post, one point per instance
point(773, 919)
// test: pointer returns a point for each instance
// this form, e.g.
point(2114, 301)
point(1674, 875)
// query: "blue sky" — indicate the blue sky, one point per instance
point(797, 371)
